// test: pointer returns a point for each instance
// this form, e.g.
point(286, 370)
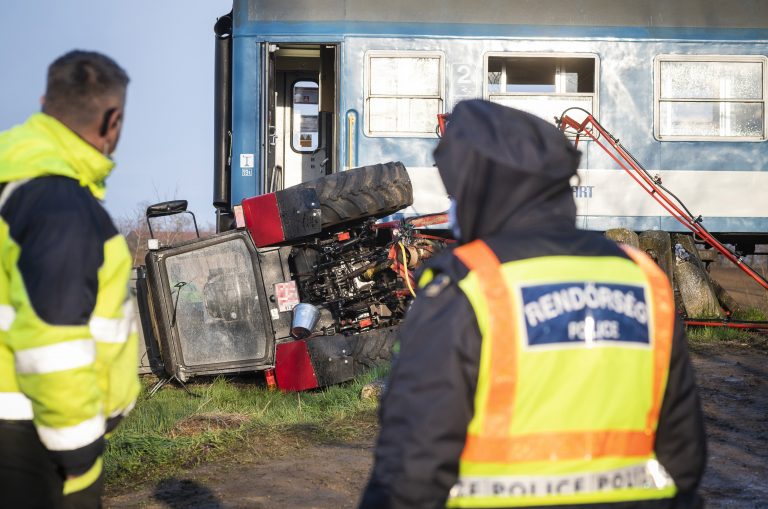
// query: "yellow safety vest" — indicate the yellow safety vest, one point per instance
point(573, 368)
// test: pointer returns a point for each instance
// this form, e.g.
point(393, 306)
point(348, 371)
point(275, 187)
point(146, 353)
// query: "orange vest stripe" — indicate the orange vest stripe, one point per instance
point(565, 445)
point(495, 444)
point(478, 257)
point(664, 324)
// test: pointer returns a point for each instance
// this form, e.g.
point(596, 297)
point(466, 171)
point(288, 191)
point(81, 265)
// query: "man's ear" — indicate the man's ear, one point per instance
point(116, 119)
point(42, 102)
point(111, 118)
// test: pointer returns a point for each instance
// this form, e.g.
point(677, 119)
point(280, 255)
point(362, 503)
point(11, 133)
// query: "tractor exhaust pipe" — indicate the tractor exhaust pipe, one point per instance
point(222, 129)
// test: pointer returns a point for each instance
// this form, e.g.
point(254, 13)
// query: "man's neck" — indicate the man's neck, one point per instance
point(87, 135)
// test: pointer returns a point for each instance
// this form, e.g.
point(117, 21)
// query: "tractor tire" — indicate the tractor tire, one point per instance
point(372, 348)
point(369, 191)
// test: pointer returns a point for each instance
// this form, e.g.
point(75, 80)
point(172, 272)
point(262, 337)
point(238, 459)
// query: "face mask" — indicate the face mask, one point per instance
point(108, 152)
point(454, 220)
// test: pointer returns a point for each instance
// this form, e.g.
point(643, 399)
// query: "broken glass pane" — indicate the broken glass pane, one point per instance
point(217, 312)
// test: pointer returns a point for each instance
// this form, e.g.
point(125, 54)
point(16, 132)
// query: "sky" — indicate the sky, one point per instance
point(167, 48)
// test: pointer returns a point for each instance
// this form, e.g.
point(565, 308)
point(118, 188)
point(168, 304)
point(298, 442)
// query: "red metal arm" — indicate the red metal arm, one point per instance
point(591, 128)
point(442, 123)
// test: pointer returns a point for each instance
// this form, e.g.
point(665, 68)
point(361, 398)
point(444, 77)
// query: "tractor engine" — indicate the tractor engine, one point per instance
point(360, 277)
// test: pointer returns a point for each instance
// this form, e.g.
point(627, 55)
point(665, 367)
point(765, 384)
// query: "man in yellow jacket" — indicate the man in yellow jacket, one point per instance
point(67, 336)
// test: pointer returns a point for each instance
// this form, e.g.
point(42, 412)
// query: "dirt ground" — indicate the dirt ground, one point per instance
point(741, 287)
point(317, 477)
point(733, 382)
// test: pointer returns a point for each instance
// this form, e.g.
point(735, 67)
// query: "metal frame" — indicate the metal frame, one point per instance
point(367, 96)
point(508, 54)
point(657, 99)
point(319, 126)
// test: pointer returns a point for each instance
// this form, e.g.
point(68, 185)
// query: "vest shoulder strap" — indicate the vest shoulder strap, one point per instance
point(477, 256)
point(481, 260)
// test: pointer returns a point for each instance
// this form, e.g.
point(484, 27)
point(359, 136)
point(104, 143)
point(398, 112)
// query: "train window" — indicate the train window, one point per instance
point(305, 122)
point(404, 92)
point(715, 98)
point(544, 85)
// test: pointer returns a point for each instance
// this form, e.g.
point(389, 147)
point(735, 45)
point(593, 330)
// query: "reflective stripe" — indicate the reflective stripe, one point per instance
point(560, 446)
point(123, 411)
point(7, 316)
point(9, 188)
point(79, 483)
point(127, 410)
point(53, 358)
point(15, 406)
point(113, 330)
point(478, 257)
point(72, 437)
point(664, 328)
point(647, 475)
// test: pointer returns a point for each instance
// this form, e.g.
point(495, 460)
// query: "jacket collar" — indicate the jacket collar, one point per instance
point(44, 146)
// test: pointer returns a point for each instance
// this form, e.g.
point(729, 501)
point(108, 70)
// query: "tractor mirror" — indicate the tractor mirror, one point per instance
point(166, 208)
point(169, 208)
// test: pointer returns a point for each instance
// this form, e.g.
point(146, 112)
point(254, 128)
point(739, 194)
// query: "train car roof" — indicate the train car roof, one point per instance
point(752, 14)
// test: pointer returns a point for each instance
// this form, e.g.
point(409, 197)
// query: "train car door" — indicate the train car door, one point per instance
point(300, 113)
point(271, 173)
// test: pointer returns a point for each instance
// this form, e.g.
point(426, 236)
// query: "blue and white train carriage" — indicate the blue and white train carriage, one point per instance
point(310, 87)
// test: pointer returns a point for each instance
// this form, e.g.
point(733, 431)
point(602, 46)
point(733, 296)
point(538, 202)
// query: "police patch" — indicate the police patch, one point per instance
point(585, 313)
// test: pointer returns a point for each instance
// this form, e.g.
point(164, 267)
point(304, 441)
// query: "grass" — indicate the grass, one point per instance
point(700, 336)
point(231, 417)
point(173, 431)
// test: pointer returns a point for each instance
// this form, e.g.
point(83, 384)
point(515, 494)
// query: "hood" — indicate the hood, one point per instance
point(44, 146)
point(506, 169)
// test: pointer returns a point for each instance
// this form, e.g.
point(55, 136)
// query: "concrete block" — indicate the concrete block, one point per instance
point(623, 235)
point(698, 296)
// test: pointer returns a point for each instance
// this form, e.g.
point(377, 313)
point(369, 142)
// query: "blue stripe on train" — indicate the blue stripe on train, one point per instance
point(758, 225)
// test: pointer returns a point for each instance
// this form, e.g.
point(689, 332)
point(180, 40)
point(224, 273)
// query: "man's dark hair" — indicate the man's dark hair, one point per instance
point(80, 86)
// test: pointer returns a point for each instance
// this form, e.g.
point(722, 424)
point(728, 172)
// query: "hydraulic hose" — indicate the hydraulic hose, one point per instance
point(406, 275)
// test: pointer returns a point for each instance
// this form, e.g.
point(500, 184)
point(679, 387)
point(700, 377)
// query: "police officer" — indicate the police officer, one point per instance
point(540, 365)
point(68, 346)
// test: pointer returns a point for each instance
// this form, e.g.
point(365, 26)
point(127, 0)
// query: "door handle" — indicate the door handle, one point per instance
point(272, 135)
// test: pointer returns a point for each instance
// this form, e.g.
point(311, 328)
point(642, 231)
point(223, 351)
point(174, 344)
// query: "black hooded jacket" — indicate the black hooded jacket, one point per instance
point(509, 174)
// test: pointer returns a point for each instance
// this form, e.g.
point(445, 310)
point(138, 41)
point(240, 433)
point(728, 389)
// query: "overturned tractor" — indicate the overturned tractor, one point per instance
point(308, 284)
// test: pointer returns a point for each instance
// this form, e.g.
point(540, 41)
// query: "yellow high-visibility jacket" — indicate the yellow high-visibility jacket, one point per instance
point(68, 344)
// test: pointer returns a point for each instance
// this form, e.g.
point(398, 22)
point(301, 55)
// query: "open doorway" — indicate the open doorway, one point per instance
point(301, 107)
